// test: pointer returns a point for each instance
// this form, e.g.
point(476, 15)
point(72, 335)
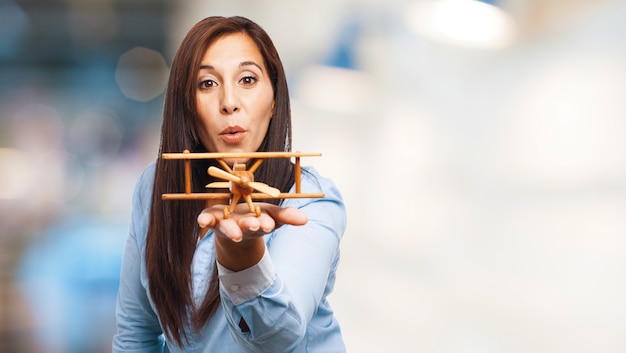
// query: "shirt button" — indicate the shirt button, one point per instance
point(234, 288)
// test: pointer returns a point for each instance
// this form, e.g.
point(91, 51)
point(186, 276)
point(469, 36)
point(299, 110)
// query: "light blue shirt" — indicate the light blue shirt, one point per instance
point(282, 298)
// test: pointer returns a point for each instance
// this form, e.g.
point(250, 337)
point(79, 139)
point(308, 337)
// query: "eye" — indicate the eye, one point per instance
point(248, 80)
point(205, 84)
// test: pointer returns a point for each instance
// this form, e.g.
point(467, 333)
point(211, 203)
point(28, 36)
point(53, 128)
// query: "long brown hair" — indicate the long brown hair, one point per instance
point(173, 231)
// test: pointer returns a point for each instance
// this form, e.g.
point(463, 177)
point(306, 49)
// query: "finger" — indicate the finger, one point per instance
point(206, 219)
point(229, 228)
point(267, 223)
point(251, 223)
point(287, 215)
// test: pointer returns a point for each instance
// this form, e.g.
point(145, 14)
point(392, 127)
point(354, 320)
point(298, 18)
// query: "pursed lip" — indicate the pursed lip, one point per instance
point(232, 134)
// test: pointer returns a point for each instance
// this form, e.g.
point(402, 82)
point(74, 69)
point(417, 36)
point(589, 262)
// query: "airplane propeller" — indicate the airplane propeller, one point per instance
point(243, 181)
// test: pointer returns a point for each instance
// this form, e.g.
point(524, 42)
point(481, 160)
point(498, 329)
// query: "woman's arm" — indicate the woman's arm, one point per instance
point(138, 328)
point(269, 305)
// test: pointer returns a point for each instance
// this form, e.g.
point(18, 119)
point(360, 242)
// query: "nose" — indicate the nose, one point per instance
point(229, 102)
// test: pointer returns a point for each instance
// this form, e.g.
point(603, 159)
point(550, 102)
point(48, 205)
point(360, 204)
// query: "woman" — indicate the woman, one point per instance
point(193, 281)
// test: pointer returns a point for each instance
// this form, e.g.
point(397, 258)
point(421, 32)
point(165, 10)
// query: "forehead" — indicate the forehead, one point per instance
point(233, 47)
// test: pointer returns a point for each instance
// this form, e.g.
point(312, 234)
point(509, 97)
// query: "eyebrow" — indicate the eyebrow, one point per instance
point(242, 64)
point(247, 63)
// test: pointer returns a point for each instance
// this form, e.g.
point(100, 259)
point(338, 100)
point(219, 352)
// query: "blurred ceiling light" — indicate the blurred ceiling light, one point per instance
point(141, 74)
point(467, 23)
point(335, 89)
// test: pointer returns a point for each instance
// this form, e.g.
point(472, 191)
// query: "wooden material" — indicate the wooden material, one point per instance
point(262, 155)
point(238, 180)
point(298, 174)
point(226, 195)
point(241, 185)
point(187, 174)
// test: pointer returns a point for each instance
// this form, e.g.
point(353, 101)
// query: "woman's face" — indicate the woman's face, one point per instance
point(234, 95)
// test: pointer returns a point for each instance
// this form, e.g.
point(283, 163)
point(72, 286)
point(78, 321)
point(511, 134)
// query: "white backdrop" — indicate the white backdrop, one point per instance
point(486, 188)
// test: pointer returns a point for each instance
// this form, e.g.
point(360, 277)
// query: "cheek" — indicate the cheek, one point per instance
point(264, 123)
point(269, 114)
point(271, 107)
point(264, 107)
point(206, 115)
point(205, 123)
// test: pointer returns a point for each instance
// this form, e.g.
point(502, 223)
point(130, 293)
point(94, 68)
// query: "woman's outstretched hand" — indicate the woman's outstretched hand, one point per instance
point(239, 240)
point(241, 224)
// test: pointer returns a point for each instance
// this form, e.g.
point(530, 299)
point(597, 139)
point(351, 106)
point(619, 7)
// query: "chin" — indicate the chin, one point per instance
point(231, 161)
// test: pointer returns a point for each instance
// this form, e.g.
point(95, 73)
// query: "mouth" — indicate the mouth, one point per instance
point(232, 134)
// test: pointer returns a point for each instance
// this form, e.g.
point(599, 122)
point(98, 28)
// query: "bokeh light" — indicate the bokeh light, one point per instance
point(141, 74)
point(16, 173)
point(468, 23)
point(95, 135)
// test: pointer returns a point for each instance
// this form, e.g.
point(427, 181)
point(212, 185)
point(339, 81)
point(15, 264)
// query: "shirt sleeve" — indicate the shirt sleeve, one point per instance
point(138, 328)
point(242, 286)
point(304, 259)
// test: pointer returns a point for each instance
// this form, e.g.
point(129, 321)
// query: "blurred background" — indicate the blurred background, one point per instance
point(480, 147)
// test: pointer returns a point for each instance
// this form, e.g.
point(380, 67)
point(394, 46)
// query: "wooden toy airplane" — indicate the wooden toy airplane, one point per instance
point(239, 180)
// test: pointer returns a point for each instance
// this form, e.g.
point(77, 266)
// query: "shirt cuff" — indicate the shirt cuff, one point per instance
point(244, 285)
